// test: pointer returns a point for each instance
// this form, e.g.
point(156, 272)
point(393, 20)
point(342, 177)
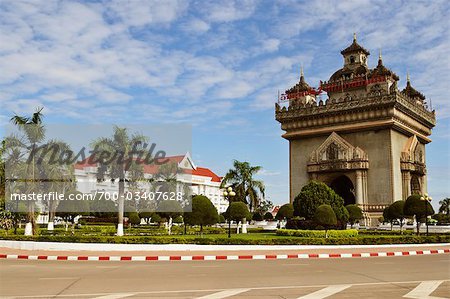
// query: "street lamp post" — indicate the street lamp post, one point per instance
point(426, 199)
point(228, 194)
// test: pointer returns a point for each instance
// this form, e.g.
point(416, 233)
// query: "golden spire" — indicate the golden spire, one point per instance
point(380, 60)
point(407, 77)
point(354, 36)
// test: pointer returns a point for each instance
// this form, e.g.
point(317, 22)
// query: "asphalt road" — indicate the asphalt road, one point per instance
point(379, 277)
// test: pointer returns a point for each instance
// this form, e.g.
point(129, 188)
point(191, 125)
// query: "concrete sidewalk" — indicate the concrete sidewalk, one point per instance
point(189, 255)
point(188, 248)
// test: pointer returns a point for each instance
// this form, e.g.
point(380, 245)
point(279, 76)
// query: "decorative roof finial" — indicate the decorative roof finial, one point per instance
point(301, 70)
point(407, 77)
point(380, 60)
point(354, 36)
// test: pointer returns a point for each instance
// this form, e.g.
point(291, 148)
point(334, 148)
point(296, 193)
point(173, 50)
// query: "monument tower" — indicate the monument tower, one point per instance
point(366, 140)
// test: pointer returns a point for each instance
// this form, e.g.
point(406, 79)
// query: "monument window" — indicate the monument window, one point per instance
point(352, 59)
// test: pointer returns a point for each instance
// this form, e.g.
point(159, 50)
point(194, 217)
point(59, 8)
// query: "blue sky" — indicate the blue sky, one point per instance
point(216, 65)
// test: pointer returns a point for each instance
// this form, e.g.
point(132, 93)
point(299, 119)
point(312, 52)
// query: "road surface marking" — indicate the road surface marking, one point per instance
point(224, 294)
point(219, 290)
point(115, 296)
point(424, 289)
point(326, 292)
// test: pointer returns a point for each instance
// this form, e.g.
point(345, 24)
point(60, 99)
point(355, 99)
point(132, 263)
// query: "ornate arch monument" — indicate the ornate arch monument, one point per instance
point(366, 140)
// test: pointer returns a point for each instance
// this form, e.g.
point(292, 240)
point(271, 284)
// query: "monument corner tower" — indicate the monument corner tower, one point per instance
point(358, 133)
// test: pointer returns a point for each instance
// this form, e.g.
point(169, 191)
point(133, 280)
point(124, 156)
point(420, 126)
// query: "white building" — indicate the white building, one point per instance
point(201, 180)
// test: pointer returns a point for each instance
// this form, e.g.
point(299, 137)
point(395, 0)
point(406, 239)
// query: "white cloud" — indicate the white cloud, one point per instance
point(228, 11)
point(143, 12)
point(265, 172)
point(271, 45)
point(196, 25)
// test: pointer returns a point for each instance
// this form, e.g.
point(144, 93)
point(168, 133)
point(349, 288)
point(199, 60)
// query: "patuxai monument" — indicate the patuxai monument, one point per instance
point(358, 133)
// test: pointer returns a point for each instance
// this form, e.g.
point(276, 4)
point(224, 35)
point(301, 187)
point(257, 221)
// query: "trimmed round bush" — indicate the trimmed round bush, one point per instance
point(325, 217)
point(203, 212)
point(286, 211)
point(415, 206)
point(238, 211)
point(268, 216)
point(133, 218)
point(354, 213)
point(156, 218)
point(178, 219)
point(315, 194)
point(257, 217)
point(222, 219)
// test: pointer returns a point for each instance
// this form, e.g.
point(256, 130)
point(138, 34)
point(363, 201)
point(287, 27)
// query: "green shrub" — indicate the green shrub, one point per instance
point(384, 232)
point(354, 213)
point(359, 240)
point(268, 216)
point(222, 219)
point(442, 218)
point(317, 233)
point(238, 211)
point(178, 219)
point(315, 194)
point(133, 218)
point(156, 218)
point(101, 220)
point(325, 216)
point(169, 208)
point(257, 217)
point(415, 206)
point(203, 212)
point(286, 211)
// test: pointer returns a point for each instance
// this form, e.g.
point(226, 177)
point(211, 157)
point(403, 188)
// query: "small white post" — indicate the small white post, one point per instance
point(120, 229)
point(28, 229)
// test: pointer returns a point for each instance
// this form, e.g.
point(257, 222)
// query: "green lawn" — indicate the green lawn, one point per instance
point(214, 236)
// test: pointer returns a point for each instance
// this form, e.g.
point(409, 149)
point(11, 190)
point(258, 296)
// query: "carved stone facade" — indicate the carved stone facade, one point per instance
point(366, 140)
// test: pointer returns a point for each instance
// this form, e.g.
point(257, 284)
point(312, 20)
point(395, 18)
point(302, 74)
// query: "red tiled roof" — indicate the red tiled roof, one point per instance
point(84, 163)
point(200, 171)
point(153, 168)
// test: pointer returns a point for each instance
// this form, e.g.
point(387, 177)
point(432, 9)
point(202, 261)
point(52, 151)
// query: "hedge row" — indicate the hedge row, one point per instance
point(206, 240)
point(349, 233)
point(387, 232)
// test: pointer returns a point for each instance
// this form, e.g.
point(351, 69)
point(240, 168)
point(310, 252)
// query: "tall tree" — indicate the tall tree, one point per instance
point(416, 206)
point(445, 206)
point(247, 189)
point(34, 134)
point(115, 157)
point(48, 164)
point(396, 210)
point(203, 212)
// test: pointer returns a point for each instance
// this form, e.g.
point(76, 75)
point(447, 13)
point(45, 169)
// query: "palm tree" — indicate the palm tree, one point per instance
point(34, 133)
point(445, 206)
point(61, 178)
point(120, 145)
point(2, 170)
point(246, 187)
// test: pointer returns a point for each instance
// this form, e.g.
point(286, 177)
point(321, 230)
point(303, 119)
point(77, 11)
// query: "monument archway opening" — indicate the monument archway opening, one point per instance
point(343, 186)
